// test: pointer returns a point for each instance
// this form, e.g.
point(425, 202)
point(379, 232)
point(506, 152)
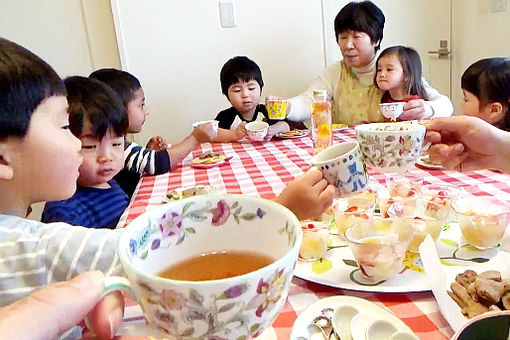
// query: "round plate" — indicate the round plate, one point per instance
point(363, 305)
point(292, 134)
point(339, 269)
point(423, 161)
point(180, 193)
point(339, 127)
point(210, 165)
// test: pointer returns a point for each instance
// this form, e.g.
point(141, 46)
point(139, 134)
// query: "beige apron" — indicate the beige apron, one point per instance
point(355, 102)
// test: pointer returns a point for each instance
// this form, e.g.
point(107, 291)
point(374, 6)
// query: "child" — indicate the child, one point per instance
point(39, 161)
point(486, 88)
point(398, 74)
point(97, 117)
point(241, 82)
point(140, 161)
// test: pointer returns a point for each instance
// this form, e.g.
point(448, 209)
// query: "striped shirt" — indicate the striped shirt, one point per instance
point(34, 254)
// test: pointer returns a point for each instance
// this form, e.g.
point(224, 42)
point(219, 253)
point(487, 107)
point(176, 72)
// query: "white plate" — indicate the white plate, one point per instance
point(424, 163)
point(345, 274)
point(301, 134)
point(364, 306)
point(339, 127)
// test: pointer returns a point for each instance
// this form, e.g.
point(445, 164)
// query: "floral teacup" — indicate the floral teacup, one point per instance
point(342, 166)
point(237, 307)
point(390, 147)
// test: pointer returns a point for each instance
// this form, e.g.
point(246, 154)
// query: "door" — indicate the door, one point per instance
point(420, 24)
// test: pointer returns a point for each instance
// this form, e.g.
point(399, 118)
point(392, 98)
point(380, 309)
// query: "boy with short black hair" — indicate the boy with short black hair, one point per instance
point(242, 83)
point(97, 117)
point(157, 158)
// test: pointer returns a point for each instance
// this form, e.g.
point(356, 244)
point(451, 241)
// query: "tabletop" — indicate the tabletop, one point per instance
point(263, 169)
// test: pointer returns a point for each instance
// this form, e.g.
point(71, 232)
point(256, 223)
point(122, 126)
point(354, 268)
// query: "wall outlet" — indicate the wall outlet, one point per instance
point(227, 13)
point(498, 6)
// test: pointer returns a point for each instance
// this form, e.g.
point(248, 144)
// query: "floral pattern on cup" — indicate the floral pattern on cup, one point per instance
point(392, 110)
point(277, 109)
point(215, 309)
point(257, 131)
point(390, 147)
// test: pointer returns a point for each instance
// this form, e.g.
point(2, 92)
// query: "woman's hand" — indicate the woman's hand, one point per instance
point(417, 109)
point(54, 309)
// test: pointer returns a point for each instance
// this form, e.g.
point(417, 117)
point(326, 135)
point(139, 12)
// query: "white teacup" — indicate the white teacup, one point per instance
point(237, 307)
point(390, 147)
point(342, 166)
point(214, 124)
point(392, 110)
point(256, 131)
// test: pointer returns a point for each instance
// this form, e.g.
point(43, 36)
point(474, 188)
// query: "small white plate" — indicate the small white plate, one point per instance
point(298, 134)
point(364, 306)
point(423, 161)
point(338, 127)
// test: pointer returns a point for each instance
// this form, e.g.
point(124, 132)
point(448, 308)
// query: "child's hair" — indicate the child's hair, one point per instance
point(122, 82)
point(489, 80)
point(411, 66)
point(93, 101)
point(362, 16)
point(238, 69)
point(25, 82)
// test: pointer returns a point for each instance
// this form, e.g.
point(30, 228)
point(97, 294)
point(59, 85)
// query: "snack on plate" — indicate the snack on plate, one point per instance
point(338, 126)
point(293, 133)
point(209, 158)
point(480, 293)
point(180, 193)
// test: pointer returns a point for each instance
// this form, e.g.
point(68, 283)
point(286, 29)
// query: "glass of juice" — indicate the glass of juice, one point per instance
point(322, 134)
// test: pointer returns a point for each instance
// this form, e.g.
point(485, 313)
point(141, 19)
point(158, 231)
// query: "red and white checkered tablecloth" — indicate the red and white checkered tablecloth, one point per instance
point(263, 169)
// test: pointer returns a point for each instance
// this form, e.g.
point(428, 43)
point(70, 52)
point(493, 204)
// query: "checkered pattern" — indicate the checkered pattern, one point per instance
point(263, 169)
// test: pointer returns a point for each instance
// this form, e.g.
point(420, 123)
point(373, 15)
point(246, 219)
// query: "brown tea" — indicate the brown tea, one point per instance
point(216, 265)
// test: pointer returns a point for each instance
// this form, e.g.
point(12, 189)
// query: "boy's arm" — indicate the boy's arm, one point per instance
point(201, 134)
point(227, 135)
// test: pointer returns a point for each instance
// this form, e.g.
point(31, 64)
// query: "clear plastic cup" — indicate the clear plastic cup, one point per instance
point(379, 246)
point(425, 217)
point(482, 219)
point(351, 210)
point(315, 240)
point(443, 194)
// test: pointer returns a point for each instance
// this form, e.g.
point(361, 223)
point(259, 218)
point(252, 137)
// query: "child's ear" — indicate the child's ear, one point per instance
point(6, 170)
point(496, 112)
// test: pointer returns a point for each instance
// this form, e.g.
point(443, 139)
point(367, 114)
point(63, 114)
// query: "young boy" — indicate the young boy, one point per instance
point(140, 161)
point(39, 161)
point(241, 82)
point(97, 117)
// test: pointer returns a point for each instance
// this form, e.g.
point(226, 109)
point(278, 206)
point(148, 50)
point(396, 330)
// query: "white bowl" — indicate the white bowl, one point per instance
point(390, 147)
point(392, 110)
point(256, 131)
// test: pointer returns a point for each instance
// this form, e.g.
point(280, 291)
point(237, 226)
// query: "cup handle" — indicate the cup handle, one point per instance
point(118, 283)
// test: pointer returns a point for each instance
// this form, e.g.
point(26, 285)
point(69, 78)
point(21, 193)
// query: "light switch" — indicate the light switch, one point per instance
point(498, 6)
point(227, 13)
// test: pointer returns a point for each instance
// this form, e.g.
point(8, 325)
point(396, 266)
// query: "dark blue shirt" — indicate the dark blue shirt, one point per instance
point(89, 207)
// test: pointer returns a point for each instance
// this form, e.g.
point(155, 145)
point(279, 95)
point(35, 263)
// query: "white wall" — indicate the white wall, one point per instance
point(479, 34)
point(177, 49)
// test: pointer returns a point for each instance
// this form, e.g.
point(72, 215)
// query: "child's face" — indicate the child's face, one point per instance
point(357, 48)
point(102, 159)
point(244, 96)
point(137, 111)
point(390, 74)
point(471, 107)
point(46, 161)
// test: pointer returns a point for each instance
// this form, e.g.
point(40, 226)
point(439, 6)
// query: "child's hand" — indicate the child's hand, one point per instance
point(417, 109)
point(156, 143)
point(204, 133)
point(271, 132)
point(307, 196)
point(240, 131)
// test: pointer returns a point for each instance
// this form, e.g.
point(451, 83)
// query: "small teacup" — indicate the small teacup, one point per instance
point(256, 131)
point(343, 167)
point(390, 147)
point(277, 109)
point(214, 124)
point(392, 110)
point(235, 307)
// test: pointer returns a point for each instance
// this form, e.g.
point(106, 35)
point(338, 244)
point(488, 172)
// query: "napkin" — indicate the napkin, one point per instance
point(440, 277)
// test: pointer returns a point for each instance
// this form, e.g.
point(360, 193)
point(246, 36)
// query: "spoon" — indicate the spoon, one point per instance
point(380, 330)
point(342, 318)
point(315, 332)
point(403, 336)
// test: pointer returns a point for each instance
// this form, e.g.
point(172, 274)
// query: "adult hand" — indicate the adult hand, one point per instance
point(56, 308)
point(204, 133)
point(417, 109)
point(465, 143)
point(307, 196)
point(156, 143)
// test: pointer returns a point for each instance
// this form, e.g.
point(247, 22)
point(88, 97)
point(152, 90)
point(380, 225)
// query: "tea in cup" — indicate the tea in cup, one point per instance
point(277, 109)
point(342, 166)
point(211, 266)
point(256, 131)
